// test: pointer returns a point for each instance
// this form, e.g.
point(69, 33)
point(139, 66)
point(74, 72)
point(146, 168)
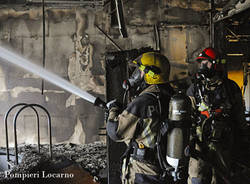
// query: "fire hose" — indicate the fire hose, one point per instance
point(23, 63)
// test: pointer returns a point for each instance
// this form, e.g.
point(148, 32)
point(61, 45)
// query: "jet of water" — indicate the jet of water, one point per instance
point(17, 60)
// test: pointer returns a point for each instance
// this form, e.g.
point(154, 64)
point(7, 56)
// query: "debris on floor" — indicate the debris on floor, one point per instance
point(71, 163)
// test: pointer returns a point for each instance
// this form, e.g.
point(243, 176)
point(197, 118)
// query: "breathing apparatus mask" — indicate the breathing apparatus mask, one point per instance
point(135, 83)
point(207, 69)
point(208, 66)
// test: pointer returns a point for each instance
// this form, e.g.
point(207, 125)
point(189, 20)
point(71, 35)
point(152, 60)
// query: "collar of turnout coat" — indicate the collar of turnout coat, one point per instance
point(152, 88)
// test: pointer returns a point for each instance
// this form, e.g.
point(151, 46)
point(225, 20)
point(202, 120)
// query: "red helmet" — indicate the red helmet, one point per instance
point(208, 53)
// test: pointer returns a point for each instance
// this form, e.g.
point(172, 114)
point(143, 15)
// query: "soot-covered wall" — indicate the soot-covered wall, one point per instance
point(75, 50)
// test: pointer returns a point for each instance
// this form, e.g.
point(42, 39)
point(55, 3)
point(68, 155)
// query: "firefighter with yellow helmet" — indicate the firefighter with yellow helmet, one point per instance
point(138, 124)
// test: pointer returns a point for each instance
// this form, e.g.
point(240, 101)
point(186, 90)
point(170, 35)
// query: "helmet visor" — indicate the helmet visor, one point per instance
point(206, 68)
point(205, 64)
point(136, 77)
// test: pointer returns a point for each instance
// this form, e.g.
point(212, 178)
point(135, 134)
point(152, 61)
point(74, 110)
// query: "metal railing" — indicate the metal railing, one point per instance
point(24, 106)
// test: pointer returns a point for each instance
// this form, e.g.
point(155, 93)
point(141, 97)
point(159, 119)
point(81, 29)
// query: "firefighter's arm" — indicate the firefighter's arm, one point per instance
point(190, 94)
point(112, 120)
point(121, 127)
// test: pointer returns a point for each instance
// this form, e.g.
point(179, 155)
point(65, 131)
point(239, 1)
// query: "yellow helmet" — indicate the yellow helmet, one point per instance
point(155, 66)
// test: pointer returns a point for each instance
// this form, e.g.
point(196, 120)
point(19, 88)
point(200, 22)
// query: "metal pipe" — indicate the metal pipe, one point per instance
point(157, 38)
point(110, 39)
point(6, 128)
point(43, 9)
point(238, 8)
point(49, 127)
point(120, 18)
point(113, 10)
point(211, 40)
point(235, 35)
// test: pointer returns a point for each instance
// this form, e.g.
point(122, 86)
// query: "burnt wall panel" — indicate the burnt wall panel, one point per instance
point(138, 14)
point(75, 50)
point(197, 39)
point(70, 53)
point(141, 36)
point(177, 15)
point(58, 51)
point(181, 44)
point(30, 128)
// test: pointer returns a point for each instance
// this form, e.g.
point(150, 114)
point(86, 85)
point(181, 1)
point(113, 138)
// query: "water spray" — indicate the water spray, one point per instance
point(17, 60)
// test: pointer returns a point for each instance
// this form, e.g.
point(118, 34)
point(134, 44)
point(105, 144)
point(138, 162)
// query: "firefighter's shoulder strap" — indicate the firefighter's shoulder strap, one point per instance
point(161, 141)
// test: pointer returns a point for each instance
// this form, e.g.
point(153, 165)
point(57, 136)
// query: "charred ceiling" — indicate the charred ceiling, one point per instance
point(233, 37)
point(231, 8)
point(56, 3)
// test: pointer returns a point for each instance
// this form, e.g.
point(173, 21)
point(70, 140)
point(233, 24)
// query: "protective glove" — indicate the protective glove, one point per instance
point(112, 103)
point(114, 109)
point(109, 105)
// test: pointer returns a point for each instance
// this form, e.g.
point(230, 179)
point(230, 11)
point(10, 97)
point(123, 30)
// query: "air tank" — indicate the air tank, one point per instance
point(178, 137)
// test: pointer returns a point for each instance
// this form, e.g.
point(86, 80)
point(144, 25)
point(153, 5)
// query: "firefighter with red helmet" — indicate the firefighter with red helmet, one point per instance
point(218, 106)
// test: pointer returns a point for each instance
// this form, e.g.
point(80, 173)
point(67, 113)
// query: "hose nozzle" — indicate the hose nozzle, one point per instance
point(99, 103)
